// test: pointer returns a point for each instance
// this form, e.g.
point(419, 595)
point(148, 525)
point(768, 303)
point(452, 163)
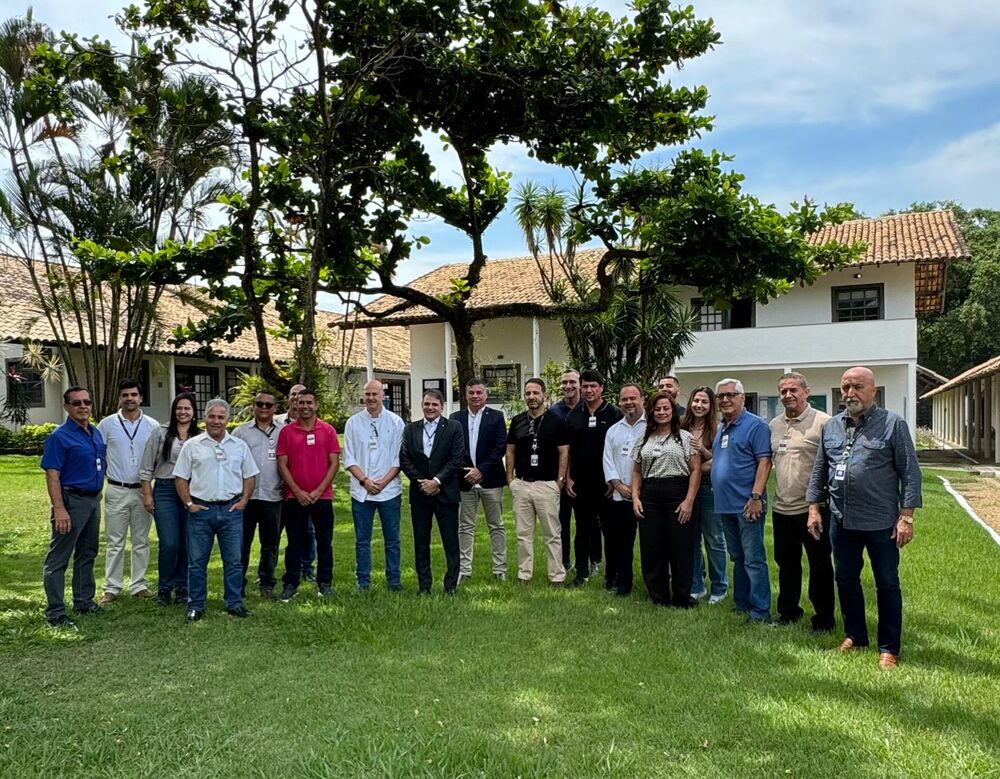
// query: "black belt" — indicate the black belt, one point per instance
point(82, 493)
point(521, 478)
point(225, 502)
point(134, 486)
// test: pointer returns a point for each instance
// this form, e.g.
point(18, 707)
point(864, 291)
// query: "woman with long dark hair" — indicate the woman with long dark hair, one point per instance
point(701, 421)
point(665, 478)
point(162, 501)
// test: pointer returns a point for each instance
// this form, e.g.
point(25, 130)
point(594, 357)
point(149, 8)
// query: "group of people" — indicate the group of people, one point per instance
point(690, 482)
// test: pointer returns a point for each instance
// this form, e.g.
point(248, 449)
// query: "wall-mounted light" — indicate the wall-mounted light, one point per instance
point(499, 356)
point(857, 275)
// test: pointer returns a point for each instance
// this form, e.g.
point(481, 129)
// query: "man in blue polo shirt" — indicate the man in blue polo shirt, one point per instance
point(74, 463)
point(741, 463)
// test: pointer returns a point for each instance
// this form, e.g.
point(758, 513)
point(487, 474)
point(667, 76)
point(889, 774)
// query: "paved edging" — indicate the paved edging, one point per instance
point(968, 509)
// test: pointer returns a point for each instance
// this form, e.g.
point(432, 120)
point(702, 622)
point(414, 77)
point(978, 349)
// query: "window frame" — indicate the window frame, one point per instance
point(197, 370)
point(512, 389)
point(838, 404)
point(835, 311)
point(36, 382)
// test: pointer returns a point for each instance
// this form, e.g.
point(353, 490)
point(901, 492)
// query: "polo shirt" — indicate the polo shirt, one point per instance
point(795, 441)
point(308, 462)
point(78, 454)
point(126, 441)
point(586, 434)
point(215, 469)
point(550, 433)
point(737, 447)
point(263, 446)
point(561, 410)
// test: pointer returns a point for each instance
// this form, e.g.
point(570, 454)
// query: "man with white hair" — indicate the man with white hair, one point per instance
point(741, 463)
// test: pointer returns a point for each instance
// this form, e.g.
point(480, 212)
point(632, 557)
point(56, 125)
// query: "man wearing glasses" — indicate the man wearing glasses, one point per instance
point(372, 439)
point(741, 463)
point(74, 463)
point(264, 509)
point(215, 477)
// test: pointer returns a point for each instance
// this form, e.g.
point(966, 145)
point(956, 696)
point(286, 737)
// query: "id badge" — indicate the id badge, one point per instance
point(99, 466)
point(626, 451)
point(840, 471)
point(271, 455)
point(372, 444)
point(534, 460)
point(783, 445)
point(131, 459)
point(220, 456)
point(310, 439)
point(725, 441)
point(592, 422)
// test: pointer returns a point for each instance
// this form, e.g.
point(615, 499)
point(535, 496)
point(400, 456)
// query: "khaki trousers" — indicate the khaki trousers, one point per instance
point(537, 500)
point(124, 515)
point(492, 500)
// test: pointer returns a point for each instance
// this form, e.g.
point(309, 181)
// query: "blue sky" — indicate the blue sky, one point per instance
point(880, 104)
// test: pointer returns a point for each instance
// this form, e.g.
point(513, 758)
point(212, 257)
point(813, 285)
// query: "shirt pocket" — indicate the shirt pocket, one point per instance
point(874, 444)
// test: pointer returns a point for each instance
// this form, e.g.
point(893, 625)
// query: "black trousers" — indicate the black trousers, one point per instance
point(620, 547)
point(423, 513)
point(566, 531)
point(665, 544)
point(296, 518)
point(263, 516)
point(592, 509)
point(790, 536)
point(81, 543)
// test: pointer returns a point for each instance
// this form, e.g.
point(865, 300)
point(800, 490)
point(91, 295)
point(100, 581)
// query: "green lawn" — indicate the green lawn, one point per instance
point(502, 680)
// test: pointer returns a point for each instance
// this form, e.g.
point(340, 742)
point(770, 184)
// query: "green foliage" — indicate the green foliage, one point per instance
point(28, 438)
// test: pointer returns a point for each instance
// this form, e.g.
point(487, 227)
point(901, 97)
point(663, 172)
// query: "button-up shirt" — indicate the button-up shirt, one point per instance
point(868, 471)
point(78, 454)
point(263, 443)
point(618, 445)
point(216, 469)
point(126, 442)
point(794, 443)
point(372, 444)
point(430, 429)
point(475, 419)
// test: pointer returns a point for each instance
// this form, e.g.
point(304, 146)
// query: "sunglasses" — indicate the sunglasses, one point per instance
point(77, 403)
point(263, 404)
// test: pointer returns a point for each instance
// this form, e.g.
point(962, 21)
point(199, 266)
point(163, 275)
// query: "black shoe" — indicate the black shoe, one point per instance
point(622, 593)
point(90, 608)
point(395, 588)
point(450, 592)
point(62, 621)
point(785, 621)
point(309, 575)
point(239, 612)
point(163, 598)
point(181, 597)
point(610, 586)
point(267, 593)
point(579, 581)
point(423, 592)
point(194, 615)
point(325, 591)
point(287, 593)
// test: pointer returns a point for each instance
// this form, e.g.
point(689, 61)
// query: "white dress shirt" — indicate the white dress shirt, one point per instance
point(126, 442)
point(216, 469)
point(475, 419)
point(430, 430)
point(618, 446)
point(373, 444)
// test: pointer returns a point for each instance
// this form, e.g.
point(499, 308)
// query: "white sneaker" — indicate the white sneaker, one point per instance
point(595, 568)
point(716, 599)
point(699, 595)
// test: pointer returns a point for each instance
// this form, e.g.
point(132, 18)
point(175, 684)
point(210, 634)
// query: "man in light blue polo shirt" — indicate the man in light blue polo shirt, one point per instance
point(741, 463)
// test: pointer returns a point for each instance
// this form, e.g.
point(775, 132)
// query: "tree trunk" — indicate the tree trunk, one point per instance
point(465, 353)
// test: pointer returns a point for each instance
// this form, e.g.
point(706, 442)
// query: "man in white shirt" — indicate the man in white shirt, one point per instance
point(125, 434)
point(215, 476)
point(618, 446)
point(372, 439)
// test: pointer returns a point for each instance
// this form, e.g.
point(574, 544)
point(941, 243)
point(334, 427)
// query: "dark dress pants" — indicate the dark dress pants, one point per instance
point(423, 514)
point(263, 516)
point(296, 518)
point(566, 531)
point(790, 536)
point(81, 543)
point(591, 507)
point(619, 550)
point(665, 543)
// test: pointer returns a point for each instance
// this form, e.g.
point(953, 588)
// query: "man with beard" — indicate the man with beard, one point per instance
point(569, 384)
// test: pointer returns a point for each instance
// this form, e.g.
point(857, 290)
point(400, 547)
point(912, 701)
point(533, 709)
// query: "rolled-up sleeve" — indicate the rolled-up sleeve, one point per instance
point(610, 466)
point(907, 466)
point(351, 443)
point(148, 463)
point(182, 468)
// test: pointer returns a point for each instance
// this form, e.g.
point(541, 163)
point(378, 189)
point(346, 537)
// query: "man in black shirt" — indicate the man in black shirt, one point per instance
point(587, 426)
point(537, 457)
point(569, 383)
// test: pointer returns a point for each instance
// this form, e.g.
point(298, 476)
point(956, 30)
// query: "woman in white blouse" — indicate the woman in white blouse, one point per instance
point(665, 478)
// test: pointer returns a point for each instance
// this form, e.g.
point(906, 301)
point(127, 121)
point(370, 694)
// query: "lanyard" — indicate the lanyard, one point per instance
point(267, 432)
point(534, 430)
point(135, 430)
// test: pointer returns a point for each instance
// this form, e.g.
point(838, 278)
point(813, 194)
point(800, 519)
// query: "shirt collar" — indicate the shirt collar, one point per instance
point(801, 417)
point(641, 420)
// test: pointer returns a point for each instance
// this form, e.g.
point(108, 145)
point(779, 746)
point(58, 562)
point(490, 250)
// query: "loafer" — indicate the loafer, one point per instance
point(288, 593)
point(181, 597)
point(847, 645)
point(239, 612)
point(163, 598)
point(887, 661)
point(422, 592)
point(325, 591)
point(91, 608)
point(500, 577)
point(144, 594)
point(579, 581)
point(62, 621)
point(107, 598)
point(555, 585)
point(194, 615)
point(395, 588)
point(267, 593)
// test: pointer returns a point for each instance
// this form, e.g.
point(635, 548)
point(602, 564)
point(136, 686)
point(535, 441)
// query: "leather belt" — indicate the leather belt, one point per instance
point(225, 502)
point(82, 493)
point(134, 486)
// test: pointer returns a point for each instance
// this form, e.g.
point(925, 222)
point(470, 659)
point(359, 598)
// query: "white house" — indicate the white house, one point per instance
point(966, 411)
point(169, 369)
point(864, 314)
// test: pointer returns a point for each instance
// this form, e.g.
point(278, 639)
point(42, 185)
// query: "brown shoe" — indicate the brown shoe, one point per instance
point(887, 661)
point(846, 646)
point(143, 594)
point(557, 585)
point(108, 597)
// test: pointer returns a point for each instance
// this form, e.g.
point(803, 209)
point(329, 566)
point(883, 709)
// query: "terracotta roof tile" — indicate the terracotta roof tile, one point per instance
point(989, 368)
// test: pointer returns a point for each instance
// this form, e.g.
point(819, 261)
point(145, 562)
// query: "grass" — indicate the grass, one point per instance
point(502, 680)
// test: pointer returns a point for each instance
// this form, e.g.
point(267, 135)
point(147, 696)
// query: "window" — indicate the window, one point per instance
point(858, 304)
point(708, 317)
point(839, 404)
point(144, 379)
point(233, 377)
point(503, 382)
point(203, 382)
point(750, 401)
point(395, 395)
point(28, 381)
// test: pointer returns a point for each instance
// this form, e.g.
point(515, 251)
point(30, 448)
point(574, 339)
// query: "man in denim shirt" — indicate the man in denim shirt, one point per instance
point(867, 468)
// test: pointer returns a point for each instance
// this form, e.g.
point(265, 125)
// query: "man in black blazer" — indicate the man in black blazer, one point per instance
point(483, 478)
point(431, 457)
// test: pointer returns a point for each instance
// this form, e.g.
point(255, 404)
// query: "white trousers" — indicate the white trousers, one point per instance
point(124, 515)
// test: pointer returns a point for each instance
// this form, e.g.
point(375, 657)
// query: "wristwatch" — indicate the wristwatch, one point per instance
point(906, 519)
point(755, 496)
point(189, 504)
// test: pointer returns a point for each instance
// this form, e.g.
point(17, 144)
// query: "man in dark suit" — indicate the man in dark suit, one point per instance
point(483, 478)
point(431, 457)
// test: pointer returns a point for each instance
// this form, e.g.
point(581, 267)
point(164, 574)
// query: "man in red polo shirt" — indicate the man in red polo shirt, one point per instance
point(308, 457)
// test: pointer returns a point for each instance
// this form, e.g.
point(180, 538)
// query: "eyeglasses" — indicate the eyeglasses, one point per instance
point(80, 402)
point(728, 395)
point(263, 404)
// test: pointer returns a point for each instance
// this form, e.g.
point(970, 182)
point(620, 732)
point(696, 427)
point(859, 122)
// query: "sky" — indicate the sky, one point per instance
point(880, 104)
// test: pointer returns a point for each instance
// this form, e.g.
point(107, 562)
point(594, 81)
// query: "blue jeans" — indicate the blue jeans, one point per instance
point(715, 546)
point(364, 519)
point(202, 529)
point(848, 559)
point(171, 532)
point(751, 582)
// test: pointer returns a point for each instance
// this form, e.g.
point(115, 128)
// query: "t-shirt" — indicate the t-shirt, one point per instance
point(308, 454)
point(737, 447)
point(586, 434)
point(542, 435)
